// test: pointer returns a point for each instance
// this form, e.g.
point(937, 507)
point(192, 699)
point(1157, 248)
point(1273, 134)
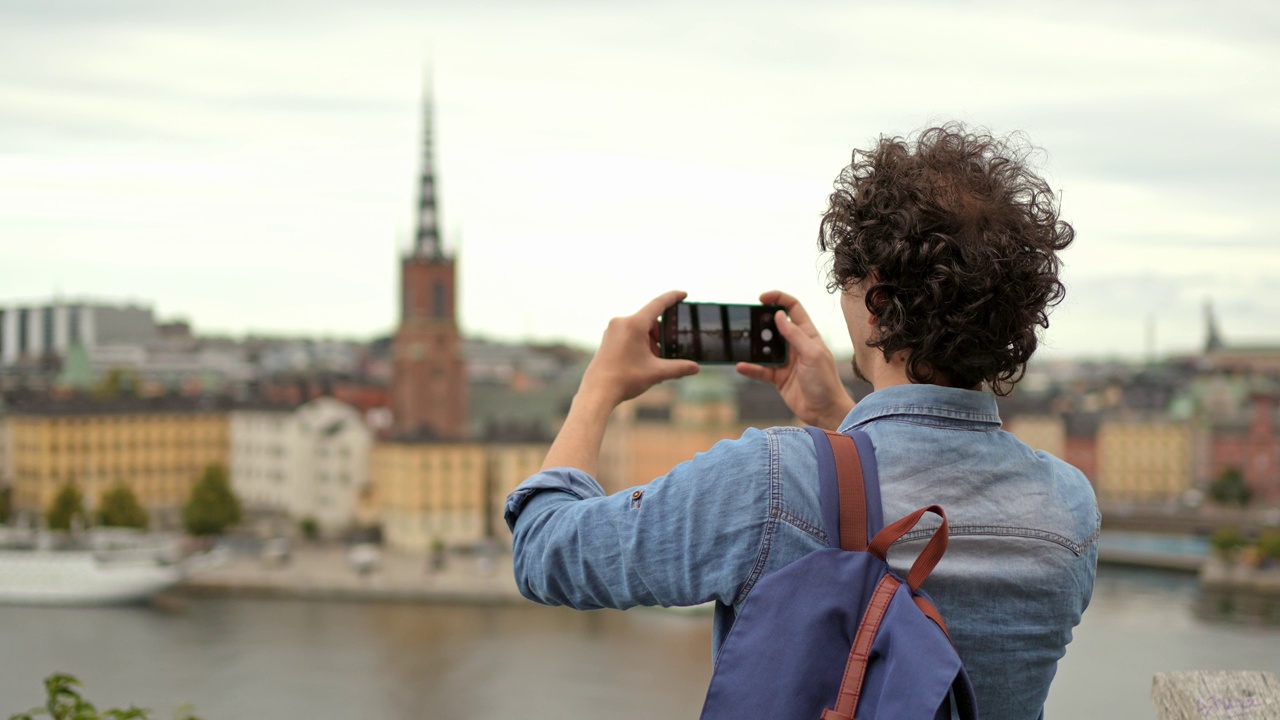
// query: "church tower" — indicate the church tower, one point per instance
point(429, 380)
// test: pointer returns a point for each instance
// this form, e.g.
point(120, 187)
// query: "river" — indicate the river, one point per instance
point(241, 659)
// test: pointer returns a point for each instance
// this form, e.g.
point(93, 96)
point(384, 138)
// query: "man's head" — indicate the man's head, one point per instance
point(949, 241)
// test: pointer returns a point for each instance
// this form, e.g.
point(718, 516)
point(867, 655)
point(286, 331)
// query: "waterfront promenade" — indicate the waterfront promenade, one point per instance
point(320, 571)
point(324, 572)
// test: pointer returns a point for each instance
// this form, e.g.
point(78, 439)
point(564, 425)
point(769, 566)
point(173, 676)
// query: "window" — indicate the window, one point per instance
point(439, 303)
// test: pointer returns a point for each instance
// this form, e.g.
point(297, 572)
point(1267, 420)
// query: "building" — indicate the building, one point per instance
point(1144, 460)
point(1247, 442)
point(674, 421)
point(429, 377)
point(31, 332)
point(308, 461)
point(448, 494)
point(1041, 432)
point(6, 452)
point(158, 447)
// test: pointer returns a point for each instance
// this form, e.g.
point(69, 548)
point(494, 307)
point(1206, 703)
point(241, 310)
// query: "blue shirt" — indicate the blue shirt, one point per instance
point(1015, 580)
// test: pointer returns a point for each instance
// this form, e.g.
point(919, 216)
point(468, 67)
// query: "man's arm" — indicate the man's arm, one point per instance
point(809, 383)
point(690, 536)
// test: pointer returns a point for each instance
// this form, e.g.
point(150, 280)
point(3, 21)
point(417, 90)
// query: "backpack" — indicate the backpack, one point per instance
point(837, 634)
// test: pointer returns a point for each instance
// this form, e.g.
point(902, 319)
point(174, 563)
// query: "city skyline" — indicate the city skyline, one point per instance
point(253, 170)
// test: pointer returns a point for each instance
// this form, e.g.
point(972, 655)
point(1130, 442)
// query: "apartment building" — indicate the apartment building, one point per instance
point(301, 461)
point(158, 447)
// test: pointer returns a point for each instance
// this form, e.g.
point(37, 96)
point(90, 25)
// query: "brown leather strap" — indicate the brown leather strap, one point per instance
point(853, 496)
point(928, 558)
point(860, 653)
point(932, 613)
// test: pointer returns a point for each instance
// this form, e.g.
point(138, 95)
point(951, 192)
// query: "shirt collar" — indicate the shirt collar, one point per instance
point(954, 404)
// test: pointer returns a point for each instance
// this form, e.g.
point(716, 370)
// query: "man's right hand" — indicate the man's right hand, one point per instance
point(809, 383)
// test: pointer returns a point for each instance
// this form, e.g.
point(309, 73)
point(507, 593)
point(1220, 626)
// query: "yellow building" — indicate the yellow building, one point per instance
point(448, 492)
point(1144, 460)
point(1041, 432)
point(158, 447)
point(671, 423)
point(455, 492)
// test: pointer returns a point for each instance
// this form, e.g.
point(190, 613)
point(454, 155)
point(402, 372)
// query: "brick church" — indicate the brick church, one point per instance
point(429, 381)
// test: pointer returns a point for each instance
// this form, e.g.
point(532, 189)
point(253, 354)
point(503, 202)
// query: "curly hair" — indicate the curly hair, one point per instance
point(958, 237)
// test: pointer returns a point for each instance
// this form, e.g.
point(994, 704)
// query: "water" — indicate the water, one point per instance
point(286, 659)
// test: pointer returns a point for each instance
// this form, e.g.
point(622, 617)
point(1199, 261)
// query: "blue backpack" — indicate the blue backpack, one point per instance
point(837, 635)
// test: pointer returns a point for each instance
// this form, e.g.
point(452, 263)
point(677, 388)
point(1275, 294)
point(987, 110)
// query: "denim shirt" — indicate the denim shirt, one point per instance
point(1015, 579)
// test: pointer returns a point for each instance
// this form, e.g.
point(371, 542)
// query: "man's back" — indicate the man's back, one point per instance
point(1019, 570)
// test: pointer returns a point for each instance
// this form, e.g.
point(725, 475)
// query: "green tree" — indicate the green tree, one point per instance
point(118, 382)
point(4, 504)
point(310, 528)
point(1269, 544)
point(64, 702)
point(213, 507)
point(119, 507)
point(68, 503)
point(1229, 488)
point(1227, 539)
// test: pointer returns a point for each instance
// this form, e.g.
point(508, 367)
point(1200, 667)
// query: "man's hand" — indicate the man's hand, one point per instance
point(809, 382)
point(626, 365)
point(627, 362)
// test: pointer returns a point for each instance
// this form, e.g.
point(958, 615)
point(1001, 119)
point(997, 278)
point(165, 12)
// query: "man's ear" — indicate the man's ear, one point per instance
point(875, 297)
point(875, 301)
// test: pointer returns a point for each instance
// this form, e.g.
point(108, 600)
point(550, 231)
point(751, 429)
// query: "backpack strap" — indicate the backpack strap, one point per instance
point(848, 487)
point(847, 471)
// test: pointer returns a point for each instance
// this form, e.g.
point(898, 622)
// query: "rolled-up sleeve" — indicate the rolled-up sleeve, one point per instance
point(688, 537)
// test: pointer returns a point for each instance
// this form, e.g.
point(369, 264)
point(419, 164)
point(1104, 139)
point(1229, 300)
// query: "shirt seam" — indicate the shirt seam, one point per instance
point(803, 525)
point(931, 410)
point(1076, 548)
point(770, 523)
point(906, 420)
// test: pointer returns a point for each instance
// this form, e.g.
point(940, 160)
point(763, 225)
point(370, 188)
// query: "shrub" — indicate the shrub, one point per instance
point(64, 703)
point(1227, 539)
point(1269, 544)
point(309, 527)
point(1229, 488)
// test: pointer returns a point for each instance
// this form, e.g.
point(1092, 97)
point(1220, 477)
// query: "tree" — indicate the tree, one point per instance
point(1229, 488)
point(68, 504)
point(1269, 544)
point(213, 507)
point(1227, 540)
point(310, 528)
point(118, 382)
point(119, 507)
point(66, 703)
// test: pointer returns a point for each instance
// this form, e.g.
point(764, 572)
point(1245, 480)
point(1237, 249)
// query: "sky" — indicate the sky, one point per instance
point(250, 167)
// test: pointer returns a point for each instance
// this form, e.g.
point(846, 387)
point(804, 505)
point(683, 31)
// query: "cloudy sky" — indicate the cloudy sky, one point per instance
point(250, 166)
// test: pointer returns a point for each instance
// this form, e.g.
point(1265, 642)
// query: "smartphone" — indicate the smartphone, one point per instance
point(716, 333)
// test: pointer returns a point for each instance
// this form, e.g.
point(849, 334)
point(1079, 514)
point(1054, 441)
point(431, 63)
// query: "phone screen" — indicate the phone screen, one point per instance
point(716, 333)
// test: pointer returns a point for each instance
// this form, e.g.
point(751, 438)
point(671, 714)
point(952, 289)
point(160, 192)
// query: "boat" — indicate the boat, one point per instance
point(102, 566)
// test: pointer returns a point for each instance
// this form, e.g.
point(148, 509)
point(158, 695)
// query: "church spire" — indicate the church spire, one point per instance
point(427, 244)
point(1213, 339)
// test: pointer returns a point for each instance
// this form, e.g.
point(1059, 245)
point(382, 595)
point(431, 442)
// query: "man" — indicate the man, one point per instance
point(944, 252)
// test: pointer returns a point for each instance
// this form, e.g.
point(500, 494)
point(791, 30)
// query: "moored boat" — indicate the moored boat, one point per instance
point(97, 567)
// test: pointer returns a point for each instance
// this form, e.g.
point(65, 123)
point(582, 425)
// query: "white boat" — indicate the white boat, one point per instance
point(99, 567)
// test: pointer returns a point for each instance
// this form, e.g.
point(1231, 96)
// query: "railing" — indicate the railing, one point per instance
point(1216, 695)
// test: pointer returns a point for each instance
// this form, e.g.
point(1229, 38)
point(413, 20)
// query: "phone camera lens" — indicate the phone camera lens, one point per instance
point(766, 334)
point(766, 349)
